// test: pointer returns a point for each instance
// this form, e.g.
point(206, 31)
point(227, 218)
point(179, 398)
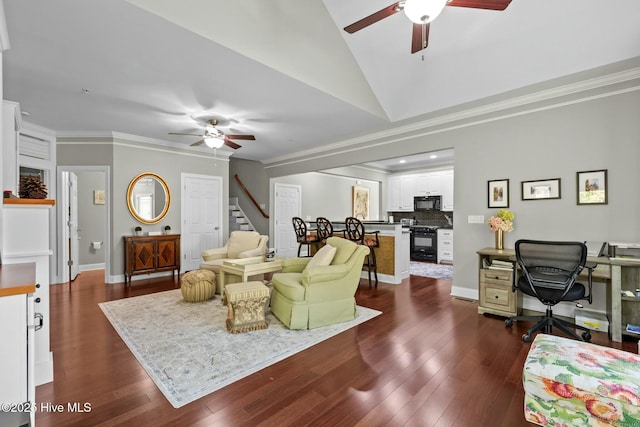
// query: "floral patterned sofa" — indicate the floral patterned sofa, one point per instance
point(574, 383)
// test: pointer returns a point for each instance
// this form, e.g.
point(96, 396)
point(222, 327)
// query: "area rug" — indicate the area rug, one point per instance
point(186, 349)
point(437, 271)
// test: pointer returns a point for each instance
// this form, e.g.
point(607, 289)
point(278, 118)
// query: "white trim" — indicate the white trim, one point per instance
point(91, 267)
point(465, 293)
point(129, 140)
point(500, 106)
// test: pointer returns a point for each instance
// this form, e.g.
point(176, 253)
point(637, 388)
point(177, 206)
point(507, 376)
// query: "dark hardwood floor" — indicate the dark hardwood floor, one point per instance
point(428, 360)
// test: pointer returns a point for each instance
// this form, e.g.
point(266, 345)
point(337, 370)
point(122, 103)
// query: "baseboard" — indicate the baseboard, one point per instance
point(89, 267)
point(43, 371)
point(465, 293)
point(119, 278)
point(386, 278)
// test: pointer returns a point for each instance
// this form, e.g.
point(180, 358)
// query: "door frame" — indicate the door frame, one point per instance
point(218, 180)
point(60, 250)
point(274, 204)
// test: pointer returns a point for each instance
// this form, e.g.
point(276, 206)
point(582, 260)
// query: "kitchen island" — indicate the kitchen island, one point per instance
point(393, 254)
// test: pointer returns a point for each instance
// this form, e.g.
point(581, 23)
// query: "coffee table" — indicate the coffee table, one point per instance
point(245, 268)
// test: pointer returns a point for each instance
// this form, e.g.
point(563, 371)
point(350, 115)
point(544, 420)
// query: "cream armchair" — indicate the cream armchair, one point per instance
point(241, 244)
point(307, 296)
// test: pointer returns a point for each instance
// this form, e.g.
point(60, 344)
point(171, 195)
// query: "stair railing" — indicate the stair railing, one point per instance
point(246, 191)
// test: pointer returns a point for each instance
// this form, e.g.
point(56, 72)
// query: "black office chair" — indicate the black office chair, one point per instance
point(549, 273)
point(324, 229)
point(300, 227)
point(354, 231)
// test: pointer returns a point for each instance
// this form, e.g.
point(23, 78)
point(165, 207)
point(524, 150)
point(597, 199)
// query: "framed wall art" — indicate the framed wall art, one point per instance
point(592, 187)
point(360, 206)
point(498, 193)
point(541, 189)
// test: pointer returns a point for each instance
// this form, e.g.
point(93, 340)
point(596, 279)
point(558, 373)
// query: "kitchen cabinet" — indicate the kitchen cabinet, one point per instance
point(17, 285)
point(428, 184)
point(151, 254)
point(403, 188)
point(445, 245)
point(25, 239)
point(446, 182)
point(401, 192)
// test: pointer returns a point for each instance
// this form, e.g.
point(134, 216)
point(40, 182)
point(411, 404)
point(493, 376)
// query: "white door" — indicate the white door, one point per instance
point(287, 205)
point(71, 242)
point(201, 218)
point(74, 239)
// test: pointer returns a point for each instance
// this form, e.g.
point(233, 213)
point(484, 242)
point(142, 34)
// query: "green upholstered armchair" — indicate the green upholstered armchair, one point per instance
point(306, 298)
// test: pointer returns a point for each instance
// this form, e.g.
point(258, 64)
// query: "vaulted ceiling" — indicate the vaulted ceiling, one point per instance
point(284, 70)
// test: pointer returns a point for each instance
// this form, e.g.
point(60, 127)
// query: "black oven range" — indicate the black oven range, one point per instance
point(424, 243)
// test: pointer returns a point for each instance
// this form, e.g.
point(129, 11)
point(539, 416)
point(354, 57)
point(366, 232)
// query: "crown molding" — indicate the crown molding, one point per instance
point(129, 140)
point(507, 107)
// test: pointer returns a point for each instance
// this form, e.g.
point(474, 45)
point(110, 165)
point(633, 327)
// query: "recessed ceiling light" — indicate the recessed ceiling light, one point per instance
point(403, 161)
point(433, 156)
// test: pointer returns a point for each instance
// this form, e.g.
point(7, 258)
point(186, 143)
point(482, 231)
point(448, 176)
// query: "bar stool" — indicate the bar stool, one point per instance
point(324, 229)
point(354, 231)
point(300, 227)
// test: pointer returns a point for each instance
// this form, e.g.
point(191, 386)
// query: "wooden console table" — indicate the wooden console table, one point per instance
point(151, 254)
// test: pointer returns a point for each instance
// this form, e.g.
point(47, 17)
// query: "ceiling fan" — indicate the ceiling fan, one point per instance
point(213, 137)
point(421, 13)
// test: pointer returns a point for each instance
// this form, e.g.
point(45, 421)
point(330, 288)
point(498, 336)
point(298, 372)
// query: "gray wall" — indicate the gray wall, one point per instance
point(91, 217)
point(130, 158)
point(330, 195)
point(554, 140)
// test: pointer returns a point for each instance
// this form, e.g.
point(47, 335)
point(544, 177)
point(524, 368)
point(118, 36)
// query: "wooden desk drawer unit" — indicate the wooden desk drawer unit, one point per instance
point(496, 296)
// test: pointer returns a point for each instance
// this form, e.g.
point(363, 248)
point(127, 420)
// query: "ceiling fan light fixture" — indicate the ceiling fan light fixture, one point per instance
point(423, 11)
point(213, 142)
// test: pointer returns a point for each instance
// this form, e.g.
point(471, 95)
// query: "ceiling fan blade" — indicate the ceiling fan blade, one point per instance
point(247, 137)
point(481, 4)
point(420, 37)
point(373, 18)
point(189, 134)
point(231, 144)
point(195, 144)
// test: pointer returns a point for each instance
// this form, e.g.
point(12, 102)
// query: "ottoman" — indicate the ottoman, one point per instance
point(575, 383)
point(198, 285)
point(246, 302)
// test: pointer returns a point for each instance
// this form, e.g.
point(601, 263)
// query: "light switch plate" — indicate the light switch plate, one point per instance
point(475, 219)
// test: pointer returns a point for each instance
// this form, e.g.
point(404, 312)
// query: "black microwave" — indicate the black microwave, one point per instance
point(427, 203)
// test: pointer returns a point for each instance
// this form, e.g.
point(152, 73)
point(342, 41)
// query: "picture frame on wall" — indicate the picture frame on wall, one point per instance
point(541, 189)
point(498, 193)
point(360, 202)
point(592, 187)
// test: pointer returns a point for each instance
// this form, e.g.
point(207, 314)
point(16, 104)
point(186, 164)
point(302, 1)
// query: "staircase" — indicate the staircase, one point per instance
point(237, 218)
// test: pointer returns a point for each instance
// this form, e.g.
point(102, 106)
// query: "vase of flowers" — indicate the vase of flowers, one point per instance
point(500, 224)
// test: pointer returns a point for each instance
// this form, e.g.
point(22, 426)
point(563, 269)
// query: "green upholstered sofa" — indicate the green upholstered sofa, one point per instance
point(306, 298)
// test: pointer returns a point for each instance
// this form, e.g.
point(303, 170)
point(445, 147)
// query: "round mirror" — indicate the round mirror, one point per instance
point(148, 198)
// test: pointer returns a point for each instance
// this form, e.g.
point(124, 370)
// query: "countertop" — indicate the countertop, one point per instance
point(17, 279)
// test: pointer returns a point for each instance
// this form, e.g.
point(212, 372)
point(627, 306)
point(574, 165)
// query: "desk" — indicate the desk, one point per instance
point(496, 296)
